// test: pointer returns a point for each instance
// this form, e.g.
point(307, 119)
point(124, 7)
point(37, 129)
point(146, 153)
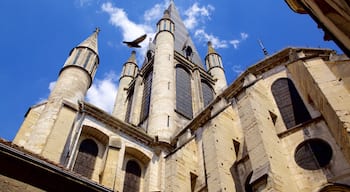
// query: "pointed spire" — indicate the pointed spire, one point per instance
point(166, 14)
point(91, 42)
point(210, 48)
point(132, 58)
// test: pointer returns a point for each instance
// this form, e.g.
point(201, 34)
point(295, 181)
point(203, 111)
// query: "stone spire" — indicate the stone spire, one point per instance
point(91, 42)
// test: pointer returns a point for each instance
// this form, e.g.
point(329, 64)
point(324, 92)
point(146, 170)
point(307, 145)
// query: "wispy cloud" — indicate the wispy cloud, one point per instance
point(130, 30)
point(103, 92)
point(155, 13)
point(236, 42)
point(201, 35)
point(83, 3)
point(196, 15)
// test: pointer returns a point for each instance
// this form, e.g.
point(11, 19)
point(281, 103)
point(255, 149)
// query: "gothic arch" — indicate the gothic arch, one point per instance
point(95, 133)
point(91, 146)
point(289, 102)
point(132, 179)
point(135, 164)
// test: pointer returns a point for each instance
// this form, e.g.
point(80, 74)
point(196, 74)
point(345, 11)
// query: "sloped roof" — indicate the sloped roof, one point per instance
point(182, 37)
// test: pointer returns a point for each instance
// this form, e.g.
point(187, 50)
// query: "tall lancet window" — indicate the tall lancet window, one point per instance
point(289, 102)
point(85, 162)
point(132, 177)
point(183, 92)
point(207, 93)
point(128, 109)
point(146, 97)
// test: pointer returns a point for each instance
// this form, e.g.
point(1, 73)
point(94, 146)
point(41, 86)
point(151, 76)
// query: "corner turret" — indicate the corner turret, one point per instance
point(214, 65)
point(129, 72)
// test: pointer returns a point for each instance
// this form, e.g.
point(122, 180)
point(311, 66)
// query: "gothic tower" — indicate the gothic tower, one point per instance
point(42, 131)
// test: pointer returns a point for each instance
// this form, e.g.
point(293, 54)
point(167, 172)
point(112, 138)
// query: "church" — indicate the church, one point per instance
point(282, 125)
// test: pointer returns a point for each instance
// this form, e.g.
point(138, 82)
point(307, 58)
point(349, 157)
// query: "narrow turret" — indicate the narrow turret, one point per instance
point(161, 116)
point(129, 72)
point(214, 65)
point(75, 78)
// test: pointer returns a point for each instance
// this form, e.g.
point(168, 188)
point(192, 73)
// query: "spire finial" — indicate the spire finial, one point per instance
point(97, 30)
point(263, 48)
point(210, 48)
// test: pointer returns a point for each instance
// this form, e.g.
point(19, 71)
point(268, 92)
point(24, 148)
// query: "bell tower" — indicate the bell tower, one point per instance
point(43, 132)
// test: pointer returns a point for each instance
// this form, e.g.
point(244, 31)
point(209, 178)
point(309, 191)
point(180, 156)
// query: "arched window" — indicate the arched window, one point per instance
point(207, 93)
point(85, 162)
point(146, 97)
point(132, 177)
point(183, 92)
point(289, 103)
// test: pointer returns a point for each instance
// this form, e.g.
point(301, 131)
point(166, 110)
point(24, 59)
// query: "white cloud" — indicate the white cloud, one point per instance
point(130, 30)
point(82, 3)
point(236, 42)
point(156, 12)
point(244, 36)
point(205, 37)
point(195, 14)
point(102, 93)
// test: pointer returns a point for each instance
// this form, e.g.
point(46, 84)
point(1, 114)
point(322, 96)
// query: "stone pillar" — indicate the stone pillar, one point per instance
point(110, 178)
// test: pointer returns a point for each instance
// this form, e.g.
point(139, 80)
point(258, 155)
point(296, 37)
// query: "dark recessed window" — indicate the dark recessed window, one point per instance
point(132, 178)
point(207, 93)
point(128, 108)
point(313, 154)
point(247, 186)
point(289, 103)
point(85, 161)
point(146, 97)
point(183, 92)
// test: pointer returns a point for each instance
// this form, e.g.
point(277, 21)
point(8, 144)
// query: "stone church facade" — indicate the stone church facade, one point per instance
point(282, 125)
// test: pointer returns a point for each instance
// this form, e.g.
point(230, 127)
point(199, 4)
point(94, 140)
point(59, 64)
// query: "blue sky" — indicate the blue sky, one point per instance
point(37, 36)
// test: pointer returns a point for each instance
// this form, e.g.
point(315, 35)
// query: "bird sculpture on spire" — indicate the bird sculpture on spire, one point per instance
point(135, 43)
